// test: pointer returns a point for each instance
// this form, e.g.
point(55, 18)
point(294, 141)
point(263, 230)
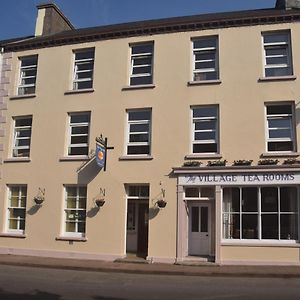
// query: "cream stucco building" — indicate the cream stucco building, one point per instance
point(201, 115)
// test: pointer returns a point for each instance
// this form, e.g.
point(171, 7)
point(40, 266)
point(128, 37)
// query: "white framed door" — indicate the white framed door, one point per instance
point(199, 238)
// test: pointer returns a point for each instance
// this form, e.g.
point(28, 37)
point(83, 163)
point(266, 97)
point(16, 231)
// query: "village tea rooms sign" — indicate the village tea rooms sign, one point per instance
point(269, 178)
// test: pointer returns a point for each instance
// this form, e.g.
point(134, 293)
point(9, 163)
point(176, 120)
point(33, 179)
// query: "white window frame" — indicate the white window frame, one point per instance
point(290, 117)
point(9, 207)
point(76, 221)
point(133, 57)
point(132, 122)
point(287, 46)
point(205, 49)
point(89, 60)
point(23, 77)
point(16, 130)
point(70, 135)
point(203, 119)
point(259, 215)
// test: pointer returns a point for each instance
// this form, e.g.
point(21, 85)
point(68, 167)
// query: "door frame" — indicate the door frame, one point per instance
point(199, 203)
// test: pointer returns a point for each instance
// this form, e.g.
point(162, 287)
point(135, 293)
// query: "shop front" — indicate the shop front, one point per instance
point(239, 216)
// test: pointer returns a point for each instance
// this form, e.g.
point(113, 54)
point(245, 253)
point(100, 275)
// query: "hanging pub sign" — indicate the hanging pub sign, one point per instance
point(101, 151)
point(100, 155)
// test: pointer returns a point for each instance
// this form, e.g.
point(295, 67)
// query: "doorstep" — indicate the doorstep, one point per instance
point(133, 259)
point(197, 261)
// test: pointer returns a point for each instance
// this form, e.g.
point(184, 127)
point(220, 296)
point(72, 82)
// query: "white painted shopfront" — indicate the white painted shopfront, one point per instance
point(234, 208)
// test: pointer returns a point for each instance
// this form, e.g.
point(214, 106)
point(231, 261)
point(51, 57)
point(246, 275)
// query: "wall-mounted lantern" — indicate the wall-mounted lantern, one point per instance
point(40, 197)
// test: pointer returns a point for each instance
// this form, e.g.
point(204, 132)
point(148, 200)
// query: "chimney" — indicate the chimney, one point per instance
point(287, 4)
point(51, 20)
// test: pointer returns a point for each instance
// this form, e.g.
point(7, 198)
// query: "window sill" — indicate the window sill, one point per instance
point(204, 82)
point(277, 78)
point(203, 156)
point(71, 239)
point(13, 235)
point(74, 158)
point(17, 97)
point(82, 91)
point(280, 154)
point(243, 243)
point(17, 159)
point(136, 157)
point(138, 87)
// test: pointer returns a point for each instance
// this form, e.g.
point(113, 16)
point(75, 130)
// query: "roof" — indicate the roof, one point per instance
point(160, 26)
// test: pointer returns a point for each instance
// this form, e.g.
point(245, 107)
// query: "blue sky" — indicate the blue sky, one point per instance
point(17, 17)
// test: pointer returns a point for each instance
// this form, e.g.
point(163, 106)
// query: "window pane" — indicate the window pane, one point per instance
point(205, 148)
point(139, 49)
point(134, 190)
point(80, 118)
point(205, 112)
point(139, 127)
point(280, 146)
point(204, 219)
point(195, 219)
point(205, 136)
point(142, 70)
point(139, 115)
point(138, 149)
point(28, 61)
point(207, 192)
point(144, 191)
point(249, 226)
point(231, 200)
point(141, 80)
point(278, 72)
point(192, 192)
point(205, 43)
point(269, 199)
point(231, 226)
point(276, 38)
point(279, 109)
point(203, 125)
point(86, 54)
point(249, 200)
point(289, 227)
point(270, 226)
point(288, 199)
point(78, 151)
point(279, 123)
point(280, 133)
point(133, 138)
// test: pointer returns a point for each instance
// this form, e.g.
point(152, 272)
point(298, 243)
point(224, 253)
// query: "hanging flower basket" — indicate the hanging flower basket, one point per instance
point(267, 162)
point(192, 163)
point(99, 202)
point(161, 203)
point(242, 162)
point(217, 163)
point(38, 200)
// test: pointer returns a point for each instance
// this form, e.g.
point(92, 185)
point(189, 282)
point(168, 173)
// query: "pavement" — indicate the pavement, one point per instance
point(204, 269)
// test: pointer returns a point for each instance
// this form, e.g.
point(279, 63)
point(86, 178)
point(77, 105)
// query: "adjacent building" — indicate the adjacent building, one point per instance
point(201, 116)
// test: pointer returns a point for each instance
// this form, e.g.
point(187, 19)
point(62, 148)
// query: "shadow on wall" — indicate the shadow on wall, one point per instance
point(88, 172)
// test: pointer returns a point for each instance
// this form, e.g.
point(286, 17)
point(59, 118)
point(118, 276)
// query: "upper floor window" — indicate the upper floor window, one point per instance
point(205, 129)
point(278, 54)
point(141, 64)
point(17, 195)
point(28, 70)
point(79, 134)
point(139, 132)
point(280, 127)
point(83, 69)
point(205, 59)
point(75, 210)
point(22, 136)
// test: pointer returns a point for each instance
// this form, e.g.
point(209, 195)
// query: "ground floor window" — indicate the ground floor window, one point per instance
point(261, 213)
point(17, 208)
point(75, 210)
